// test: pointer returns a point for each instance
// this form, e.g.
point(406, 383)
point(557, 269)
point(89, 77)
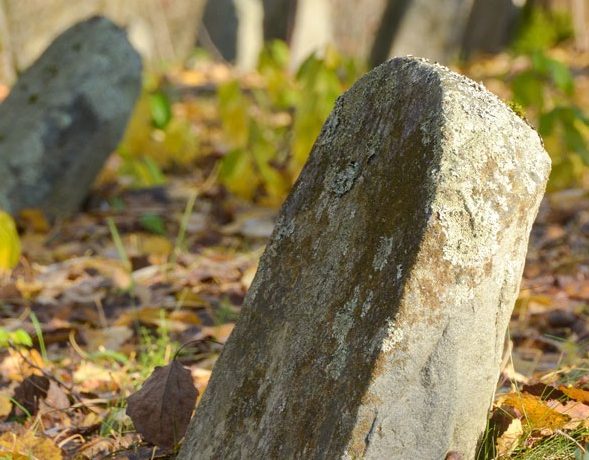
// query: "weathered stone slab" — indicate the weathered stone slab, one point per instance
point(64, 116)
point(375, 325)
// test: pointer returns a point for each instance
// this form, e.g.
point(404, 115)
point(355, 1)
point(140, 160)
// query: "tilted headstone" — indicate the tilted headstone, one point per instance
point(161, 30)
point(375, 325)
point(64, 116)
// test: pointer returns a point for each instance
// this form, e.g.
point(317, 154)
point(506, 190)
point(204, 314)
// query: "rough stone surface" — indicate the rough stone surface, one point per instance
point(64, 116)
point(375, 325)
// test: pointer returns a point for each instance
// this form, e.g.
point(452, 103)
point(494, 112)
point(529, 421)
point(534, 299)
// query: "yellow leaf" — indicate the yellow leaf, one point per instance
point(575, 393)
point(5, 404)
point(9, 242)
point(536, 413)
point(28, 446)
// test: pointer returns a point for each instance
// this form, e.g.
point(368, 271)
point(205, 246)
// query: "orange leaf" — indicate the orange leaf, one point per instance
point(535, 411)
point(575, 393)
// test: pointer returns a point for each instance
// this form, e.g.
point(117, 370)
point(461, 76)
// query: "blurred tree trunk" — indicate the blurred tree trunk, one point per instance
point(159, 29)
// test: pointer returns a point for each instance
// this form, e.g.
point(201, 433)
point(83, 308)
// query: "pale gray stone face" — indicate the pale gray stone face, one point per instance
point(64, 116)
point(375, 325)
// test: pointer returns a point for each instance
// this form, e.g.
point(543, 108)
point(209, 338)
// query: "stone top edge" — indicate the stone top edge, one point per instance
point(445, 73)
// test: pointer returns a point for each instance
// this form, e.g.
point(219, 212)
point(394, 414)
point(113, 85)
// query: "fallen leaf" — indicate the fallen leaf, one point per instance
point(31, 391)
point(535, 412)
point(175, 321)
point(20, 364)
point(94, 378)
point(111, 338)
point(575, 393)
point(507, 442)
point(5, 404)
point(543, 391)
point(201, 377)
point(28, 446)
point(578, 413)
point(220, 333)
point(162, 408)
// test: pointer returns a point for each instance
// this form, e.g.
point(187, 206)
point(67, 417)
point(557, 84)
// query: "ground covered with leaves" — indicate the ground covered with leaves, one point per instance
point(155, 268)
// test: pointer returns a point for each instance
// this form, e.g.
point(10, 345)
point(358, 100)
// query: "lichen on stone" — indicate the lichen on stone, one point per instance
point(383, 252)
point(344, 179)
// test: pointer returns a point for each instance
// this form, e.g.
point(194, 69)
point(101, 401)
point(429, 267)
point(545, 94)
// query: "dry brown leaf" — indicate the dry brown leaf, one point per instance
point(578, 413)
point(91, 377)
point(111, 338)
point(220, 333)
point(17, 365)
point(162, 408)
point(31, 391)
point(176, 321)
point(28, 446)
point(534, 411)
point(56, 398)
point(201, 377)
point(507, 442)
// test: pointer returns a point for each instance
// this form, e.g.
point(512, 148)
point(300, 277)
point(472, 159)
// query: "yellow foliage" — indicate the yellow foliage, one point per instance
point(5, 404)
point(176, 143)
point(28, 446)
point(9, 242)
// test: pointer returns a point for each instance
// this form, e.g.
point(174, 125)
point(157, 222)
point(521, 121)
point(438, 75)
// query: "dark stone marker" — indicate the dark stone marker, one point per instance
point(375, 325)
point(64, 116)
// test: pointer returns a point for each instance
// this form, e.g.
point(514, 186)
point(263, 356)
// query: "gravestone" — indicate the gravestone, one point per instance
point(161, 30)
point(375, 325)
point(432, 28)
point(64, 116)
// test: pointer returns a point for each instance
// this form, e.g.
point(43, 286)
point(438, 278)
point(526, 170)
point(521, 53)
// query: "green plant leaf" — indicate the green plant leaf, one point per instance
point(153, 223)
point(161, 109)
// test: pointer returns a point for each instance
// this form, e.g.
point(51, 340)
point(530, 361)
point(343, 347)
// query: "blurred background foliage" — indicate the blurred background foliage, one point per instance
point(268, 119)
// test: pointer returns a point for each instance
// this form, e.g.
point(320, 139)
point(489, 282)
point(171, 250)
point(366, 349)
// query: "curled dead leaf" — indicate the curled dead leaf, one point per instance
point(507, 442)
point(31, 391)
point(162, 408)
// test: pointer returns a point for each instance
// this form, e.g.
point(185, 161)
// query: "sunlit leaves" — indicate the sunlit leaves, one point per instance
point(546, 90)
point(28, 446)
point(18, 337)
point(271, 131)
point(9, 242)
point(161, 109)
